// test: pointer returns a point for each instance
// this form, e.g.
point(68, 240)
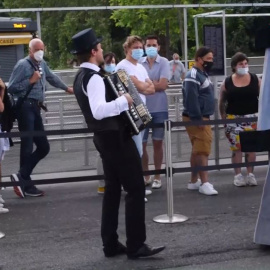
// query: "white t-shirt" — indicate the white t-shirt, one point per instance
point(137, 70)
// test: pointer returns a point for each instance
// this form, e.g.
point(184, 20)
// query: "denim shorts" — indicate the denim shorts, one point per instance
point(157, 133)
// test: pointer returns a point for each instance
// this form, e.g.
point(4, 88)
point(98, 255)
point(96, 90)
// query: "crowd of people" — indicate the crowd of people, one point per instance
point(150, 73)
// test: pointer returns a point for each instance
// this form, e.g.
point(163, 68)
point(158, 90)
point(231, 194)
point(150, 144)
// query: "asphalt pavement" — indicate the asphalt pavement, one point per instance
point(62, 229)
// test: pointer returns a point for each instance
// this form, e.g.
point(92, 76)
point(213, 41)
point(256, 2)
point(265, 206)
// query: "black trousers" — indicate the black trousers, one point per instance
point(29, 119)
point(122, 166)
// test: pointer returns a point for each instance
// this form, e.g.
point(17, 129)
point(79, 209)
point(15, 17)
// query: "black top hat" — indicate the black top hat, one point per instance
point(84, 41)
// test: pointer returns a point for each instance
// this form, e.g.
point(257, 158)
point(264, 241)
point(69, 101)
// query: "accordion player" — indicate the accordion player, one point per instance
point(138, 116)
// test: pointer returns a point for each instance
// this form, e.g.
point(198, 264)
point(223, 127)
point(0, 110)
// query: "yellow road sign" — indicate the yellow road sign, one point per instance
point(190, 64)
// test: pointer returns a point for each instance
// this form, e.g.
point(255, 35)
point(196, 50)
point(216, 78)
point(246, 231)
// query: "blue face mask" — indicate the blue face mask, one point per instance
point(151, 52)
point(242, 71)
point(137, 54)
point(109, 68)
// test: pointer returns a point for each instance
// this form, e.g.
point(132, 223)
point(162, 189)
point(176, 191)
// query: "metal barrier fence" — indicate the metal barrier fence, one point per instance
point(64, 114)
point(170, 217)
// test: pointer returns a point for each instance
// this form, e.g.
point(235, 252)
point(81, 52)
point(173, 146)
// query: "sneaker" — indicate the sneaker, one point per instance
point(207, 189)
point(145, 200)
point(148, 192)
point(33, 192)
point(1, 199)
point(15, 178)
point(3, 210)
point(101, 190)
point(1, 205)
point(149, 181)
point(2, 235)
point(251, 180)
point(156, 183)
point(239, 180)
point(194, 186)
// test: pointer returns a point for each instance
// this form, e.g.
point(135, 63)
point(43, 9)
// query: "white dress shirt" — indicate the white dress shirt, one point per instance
point(96, 95)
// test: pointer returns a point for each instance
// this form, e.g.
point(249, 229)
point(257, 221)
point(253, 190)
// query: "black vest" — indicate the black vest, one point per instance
point(110, 123)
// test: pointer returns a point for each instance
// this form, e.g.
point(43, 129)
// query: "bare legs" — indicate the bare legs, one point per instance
point(157, 156)
point(237, 158)
point(199, 160)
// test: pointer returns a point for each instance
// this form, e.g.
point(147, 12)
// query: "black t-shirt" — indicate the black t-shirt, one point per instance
point(242, 100)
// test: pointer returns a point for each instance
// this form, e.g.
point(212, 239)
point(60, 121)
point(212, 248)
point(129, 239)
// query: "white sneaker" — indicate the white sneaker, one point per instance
point(145, 200)
point(156, 183)
point(148, 192)
point(251, 180)
point(3, 210)
point(149, 181)
point(1, 199)
point(239, 180)
point(194, 186)
point(207, 189)
point(2, 235)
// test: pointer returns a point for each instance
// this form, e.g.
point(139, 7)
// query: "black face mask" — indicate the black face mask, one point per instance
point(207, 65)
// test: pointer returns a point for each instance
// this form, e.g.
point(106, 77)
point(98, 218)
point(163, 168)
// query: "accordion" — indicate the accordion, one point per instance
point(138, 116)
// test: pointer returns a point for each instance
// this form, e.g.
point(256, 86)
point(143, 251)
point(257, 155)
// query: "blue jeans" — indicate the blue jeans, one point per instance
point(29, 119)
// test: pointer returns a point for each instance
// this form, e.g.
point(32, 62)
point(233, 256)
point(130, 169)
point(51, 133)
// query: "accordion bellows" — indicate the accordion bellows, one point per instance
point(138, 116)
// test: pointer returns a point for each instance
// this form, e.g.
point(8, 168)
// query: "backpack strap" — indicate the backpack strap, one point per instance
point(32, 85)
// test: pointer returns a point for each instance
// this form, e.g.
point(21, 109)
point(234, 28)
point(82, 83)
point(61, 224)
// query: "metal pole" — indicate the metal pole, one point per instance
point(167, 39)
point(177, 119)
point(196, 32)
point(186, 38)
point(86, 149)
point(170, 217)
point(61, 115)
point(216, 128)
point(224, 41)
point(38, 24)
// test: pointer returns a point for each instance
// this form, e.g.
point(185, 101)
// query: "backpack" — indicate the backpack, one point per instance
point(8, 116)
point(11, 106)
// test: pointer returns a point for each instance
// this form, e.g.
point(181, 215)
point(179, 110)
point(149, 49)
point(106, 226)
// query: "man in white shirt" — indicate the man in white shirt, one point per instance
point(121, 160)
point(133, 48)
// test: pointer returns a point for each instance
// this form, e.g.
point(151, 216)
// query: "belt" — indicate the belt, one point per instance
point(38, 103)
point(205, 116)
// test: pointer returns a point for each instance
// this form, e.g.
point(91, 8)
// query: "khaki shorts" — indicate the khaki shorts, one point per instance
point(201, 139)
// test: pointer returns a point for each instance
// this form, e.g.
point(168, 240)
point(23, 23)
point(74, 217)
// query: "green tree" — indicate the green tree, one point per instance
point(58, 27)
point(153, 21)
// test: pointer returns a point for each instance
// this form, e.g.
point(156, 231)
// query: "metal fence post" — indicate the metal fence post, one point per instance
point(86, 149)
point(170, 217)
point(216, 128)
point(61, 114)
point(177, 118)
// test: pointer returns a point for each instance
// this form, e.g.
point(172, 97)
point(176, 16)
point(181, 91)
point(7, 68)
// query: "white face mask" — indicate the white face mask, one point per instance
point(242, 71)
point(39, 55)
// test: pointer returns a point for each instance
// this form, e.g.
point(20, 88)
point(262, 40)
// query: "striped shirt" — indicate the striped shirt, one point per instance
point(198, 95)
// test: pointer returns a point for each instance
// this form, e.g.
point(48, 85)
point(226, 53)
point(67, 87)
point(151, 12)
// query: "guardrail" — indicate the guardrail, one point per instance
point(64, 113)
point(170, 217)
